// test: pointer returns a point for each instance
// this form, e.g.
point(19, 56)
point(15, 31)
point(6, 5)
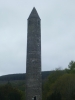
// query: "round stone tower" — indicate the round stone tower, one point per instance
point(33, 61)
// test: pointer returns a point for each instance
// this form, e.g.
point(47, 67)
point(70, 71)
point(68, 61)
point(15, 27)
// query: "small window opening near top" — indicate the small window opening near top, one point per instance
point(38, 22)
point(29, 22)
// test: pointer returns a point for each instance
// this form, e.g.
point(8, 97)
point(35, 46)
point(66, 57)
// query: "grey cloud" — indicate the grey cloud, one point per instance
point(57, 30)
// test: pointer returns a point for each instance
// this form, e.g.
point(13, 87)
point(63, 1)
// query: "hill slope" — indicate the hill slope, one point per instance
point(22, 76)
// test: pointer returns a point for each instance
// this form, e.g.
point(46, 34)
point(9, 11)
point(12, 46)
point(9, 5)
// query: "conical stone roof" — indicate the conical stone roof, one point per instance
point(34, 14)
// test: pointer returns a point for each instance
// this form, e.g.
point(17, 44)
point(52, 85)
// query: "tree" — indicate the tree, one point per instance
point(54, 96)
point(71, 67)
point(65, 85)
point(51, 80)
point(7, 92)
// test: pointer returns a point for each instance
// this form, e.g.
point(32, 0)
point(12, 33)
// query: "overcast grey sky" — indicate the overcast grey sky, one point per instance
point(57, 30)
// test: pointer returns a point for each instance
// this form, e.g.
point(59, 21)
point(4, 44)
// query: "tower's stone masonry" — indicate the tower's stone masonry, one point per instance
point(33, 63)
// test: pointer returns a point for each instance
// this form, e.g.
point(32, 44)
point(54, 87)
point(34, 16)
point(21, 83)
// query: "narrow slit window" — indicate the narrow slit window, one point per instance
point(38, 22)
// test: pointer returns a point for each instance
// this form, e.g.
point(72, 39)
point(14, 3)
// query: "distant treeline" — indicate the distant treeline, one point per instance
point(22, 76)
point(57, 85)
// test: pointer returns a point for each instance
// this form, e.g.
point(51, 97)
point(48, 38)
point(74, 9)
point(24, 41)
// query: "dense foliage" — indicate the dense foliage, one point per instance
point(7, 92)
point(59, 85)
